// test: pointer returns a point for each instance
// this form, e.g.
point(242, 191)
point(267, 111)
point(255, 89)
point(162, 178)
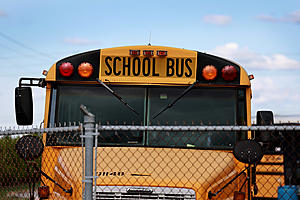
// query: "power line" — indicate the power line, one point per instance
point(14, 51)
point(24, 46)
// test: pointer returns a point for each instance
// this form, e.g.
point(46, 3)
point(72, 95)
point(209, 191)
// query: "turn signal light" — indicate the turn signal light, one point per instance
point(43, 192)
point(229, 73)
point(209, 72)
point(66, 69)
point(134, 52)
point(239, 195)
point(85, 70)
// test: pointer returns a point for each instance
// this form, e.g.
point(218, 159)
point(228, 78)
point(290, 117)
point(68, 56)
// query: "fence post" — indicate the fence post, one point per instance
point(89, 128)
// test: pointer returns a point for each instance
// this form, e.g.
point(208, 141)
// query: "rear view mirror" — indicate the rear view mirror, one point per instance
point(23, 105)
point(264, 118)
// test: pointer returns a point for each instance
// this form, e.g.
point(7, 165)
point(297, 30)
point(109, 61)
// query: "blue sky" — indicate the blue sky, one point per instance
point(262, 36)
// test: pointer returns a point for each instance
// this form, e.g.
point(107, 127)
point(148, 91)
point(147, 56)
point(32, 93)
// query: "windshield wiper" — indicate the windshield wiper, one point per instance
point(117, 96)
point(173, 102)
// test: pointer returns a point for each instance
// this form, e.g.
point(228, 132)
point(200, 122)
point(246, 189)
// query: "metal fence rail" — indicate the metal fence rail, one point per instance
point(15, 131)
point(21, 131)
point(197, 128)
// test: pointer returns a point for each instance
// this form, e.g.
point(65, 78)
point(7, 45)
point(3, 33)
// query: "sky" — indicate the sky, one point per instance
point(262, 36)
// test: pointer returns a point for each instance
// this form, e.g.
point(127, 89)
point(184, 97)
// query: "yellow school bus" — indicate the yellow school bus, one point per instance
point(160, 86)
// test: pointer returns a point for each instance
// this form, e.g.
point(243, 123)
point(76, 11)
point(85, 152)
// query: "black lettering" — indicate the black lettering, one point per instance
point(108, 58)
point(188, 67)
point(170, 66)
point(181, 67)
point(126, 66)
point(153, 69)
point(138, 66)
point(148, 66)
point(115, 66)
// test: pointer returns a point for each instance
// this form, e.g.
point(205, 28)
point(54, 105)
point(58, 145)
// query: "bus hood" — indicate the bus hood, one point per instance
point(199, 170)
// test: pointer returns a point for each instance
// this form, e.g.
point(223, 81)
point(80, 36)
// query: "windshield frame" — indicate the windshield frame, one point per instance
point(55, 93)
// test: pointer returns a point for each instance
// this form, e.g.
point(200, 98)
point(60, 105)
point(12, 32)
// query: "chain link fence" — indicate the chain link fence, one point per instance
point(96, 161)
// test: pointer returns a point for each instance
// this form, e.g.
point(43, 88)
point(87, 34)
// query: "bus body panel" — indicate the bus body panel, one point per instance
point(139, 166)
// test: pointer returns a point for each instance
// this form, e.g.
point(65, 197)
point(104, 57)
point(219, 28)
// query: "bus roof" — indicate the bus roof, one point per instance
point(148, 65)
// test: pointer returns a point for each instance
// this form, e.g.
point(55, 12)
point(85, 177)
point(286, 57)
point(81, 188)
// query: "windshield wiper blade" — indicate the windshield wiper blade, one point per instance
point(173, 102)
point(117, 96)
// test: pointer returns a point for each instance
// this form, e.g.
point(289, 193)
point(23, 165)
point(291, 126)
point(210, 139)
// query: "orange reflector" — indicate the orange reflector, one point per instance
point(85, 70)
point(251, 77)
point(148, 52)
point(162, 53)
point(209, 72)
point(45, 72)
point(43, 192)
point(134, 52)
point(239, 195)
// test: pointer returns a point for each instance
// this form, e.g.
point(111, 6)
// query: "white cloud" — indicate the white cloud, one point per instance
point(275, 93)
point(2, 13)
point(217, 19)
point(273, 88)
point(250, 59)
point(293, 17)
point(268, 18)
point(78, 41)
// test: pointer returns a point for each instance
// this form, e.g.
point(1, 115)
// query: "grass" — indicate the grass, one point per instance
point(19, 192)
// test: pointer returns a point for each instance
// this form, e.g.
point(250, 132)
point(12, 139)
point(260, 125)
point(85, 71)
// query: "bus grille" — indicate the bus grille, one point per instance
point(133, 193)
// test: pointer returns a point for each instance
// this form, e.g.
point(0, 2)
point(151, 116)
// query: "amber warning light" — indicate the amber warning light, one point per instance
point(85, 70)
point(43, 192)
point(209, 72)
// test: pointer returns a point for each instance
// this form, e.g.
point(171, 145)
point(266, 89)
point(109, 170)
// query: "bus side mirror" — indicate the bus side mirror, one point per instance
point(264, 118)
point(23, 105)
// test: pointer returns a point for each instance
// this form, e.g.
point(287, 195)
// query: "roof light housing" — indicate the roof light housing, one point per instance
point(66, 69)
point(209, 72)
point(85, 70)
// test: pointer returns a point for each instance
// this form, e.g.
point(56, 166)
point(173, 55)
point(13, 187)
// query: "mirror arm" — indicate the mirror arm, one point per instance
point(39, 82)
point(210, 194)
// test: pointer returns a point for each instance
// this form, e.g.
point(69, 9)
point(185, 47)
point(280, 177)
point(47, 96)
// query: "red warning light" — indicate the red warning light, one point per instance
point(162, 53)
point(66, 69)
point(148, 52)
point(134, 52)
point(229, 73)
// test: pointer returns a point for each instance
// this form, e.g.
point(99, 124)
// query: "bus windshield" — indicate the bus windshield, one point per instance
point(200, 106)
